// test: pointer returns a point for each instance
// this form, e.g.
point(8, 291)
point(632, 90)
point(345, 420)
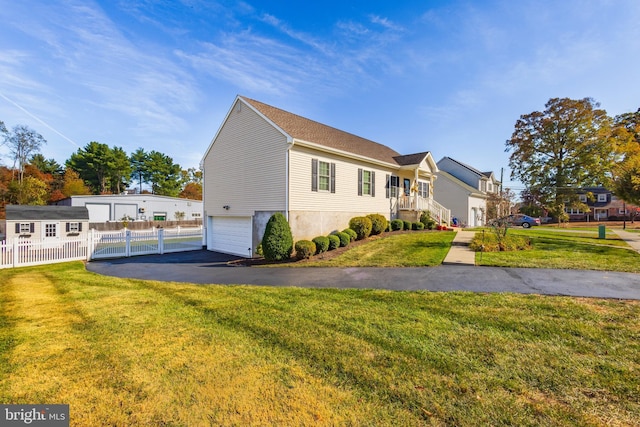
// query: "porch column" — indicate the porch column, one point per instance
point(415, 185)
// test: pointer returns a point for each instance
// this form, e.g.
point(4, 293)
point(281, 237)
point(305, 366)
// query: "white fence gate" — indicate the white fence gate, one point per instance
point(100, 245)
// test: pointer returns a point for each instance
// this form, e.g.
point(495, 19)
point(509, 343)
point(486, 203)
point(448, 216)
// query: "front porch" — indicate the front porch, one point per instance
point(410, 208)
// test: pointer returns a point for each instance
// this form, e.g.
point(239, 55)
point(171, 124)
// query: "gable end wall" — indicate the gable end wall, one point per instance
point(245, 167)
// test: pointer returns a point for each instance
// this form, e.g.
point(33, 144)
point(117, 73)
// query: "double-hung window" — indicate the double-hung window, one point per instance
point(393, 184)
point(74, 227)
point(423, 189)
point(366, 183)
point(323, 176)
point(602, 198)
point(25, 228)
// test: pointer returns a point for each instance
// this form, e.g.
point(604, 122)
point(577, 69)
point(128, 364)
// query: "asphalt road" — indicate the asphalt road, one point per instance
point(205, 267)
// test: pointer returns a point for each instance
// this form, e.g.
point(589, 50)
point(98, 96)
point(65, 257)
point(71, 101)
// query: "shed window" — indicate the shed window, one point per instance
point(25, 227)
point(74, 227)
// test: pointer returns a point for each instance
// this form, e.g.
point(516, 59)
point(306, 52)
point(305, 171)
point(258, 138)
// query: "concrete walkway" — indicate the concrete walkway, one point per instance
point(460, 254)
point(632, 239)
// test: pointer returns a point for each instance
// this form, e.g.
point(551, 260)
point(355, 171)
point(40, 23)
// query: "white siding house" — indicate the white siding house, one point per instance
point(465, 190)
point(467, 204)
point(264, 160)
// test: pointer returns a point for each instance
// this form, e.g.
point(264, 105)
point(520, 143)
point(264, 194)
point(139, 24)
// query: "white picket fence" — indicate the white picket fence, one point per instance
point(100, 245)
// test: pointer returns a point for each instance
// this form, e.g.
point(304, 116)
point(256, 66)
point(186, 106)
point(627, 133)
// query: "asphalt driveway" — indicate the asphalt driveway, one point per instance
point(205, 267)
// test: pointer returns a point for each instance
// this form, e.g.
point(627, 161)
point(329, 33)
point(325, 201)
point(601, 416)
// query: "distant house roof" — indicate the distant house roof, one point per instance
point(471, 168)
point(472, 191)
point(308, 130)
point(44, 213)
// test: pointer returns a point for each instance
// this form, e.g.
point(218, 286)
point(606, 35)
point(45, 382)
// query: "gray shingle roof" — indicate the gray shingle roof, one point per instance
point(45, 213)
point(308, 130)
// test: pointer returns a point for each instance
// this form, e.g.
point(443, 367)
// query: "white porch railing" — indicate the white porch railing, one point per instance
point(416, 203)
point(100, 245)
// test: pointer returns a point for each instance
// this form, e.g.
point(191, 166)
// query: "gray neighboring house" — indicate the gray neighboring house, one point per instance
point(46, 223)
point(137, 207)
point(464, 189)
point(467, 204)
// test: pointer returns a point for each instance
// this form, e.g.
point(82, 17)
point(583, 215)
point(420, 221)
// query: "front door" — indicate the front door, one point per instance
point(50, 232)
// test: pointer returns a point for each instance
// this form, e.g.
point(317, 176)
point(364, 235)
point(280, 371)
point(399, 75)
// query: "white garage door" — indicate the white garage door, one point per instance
point(231, 235)
point(98, 212)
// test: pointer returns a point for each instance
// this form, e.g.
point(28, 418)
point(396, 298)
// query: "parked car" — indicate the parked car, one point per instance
point(525, 221)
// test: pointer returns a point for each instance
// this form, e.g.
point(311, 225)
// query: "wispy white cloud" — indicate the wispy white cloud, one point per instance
point(385, 22)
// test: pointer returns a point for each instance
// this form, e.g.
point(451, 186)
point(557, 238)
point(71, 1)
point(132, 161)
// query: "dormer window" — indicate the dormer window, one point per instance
point(602, 198)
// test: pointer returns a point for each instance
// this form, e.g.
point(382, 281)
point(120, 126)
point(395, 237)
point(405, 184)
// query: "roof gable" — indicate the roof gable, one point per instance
point(303, 129)
point(46, 213)
point(464, 165)
point(472, 191)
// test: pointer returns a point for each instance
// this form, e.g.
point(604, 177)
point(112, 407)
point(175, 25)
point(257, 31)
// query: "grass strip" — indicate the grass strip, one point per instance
point(131, 352)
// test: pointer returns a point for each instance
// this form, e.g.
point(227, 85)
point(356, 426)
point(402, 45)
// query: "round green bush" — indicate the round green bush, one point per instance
point(352, 234)
point(406, 225)
point(417, 226)
point(305, 249)
point(334, 242)
point(425, 218)
point(396, 224)
point(322, 244)
point(345, 239)
point(362, 226)
point(277, 241)
point(378, 223)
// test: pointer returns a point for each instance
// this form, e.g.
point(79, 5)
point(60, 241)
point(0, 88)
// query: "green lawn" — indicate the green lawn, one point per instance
point(132, 352)
point(415, 249)
point(567, 250)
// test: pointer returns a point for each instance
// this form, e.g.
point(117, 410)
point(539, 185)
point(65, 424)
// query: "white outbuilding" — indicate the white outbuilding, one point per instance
point(136, 207)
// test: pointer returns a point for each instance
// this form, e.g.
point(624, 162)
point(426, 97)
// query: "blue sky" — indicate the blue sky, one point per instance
point(450, 77)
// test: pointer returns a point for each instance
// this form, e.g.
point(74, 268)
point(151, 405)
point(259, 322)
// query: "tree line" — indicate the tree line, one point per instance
point(93, 169)
point(572, 145)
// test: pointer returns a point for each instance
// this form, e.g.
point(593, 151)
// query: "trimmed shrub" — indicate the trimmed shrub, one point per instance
point(305, 249)
point(334, 242)
point(362, 226)
point(322, 244)
point(406, 225)
point(417, 226)
point(352, 234)
point(425, 218)
point(396, 224)
point(378, 223)
point(277, 241)
point(345, 239)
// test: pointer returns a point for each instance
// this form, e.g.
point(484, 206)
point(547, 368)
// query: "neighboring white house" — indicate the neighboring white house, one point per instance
point(141, 207)
point(264, 160)
point(46, 223)
point(467, 204)
point(464, 189)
